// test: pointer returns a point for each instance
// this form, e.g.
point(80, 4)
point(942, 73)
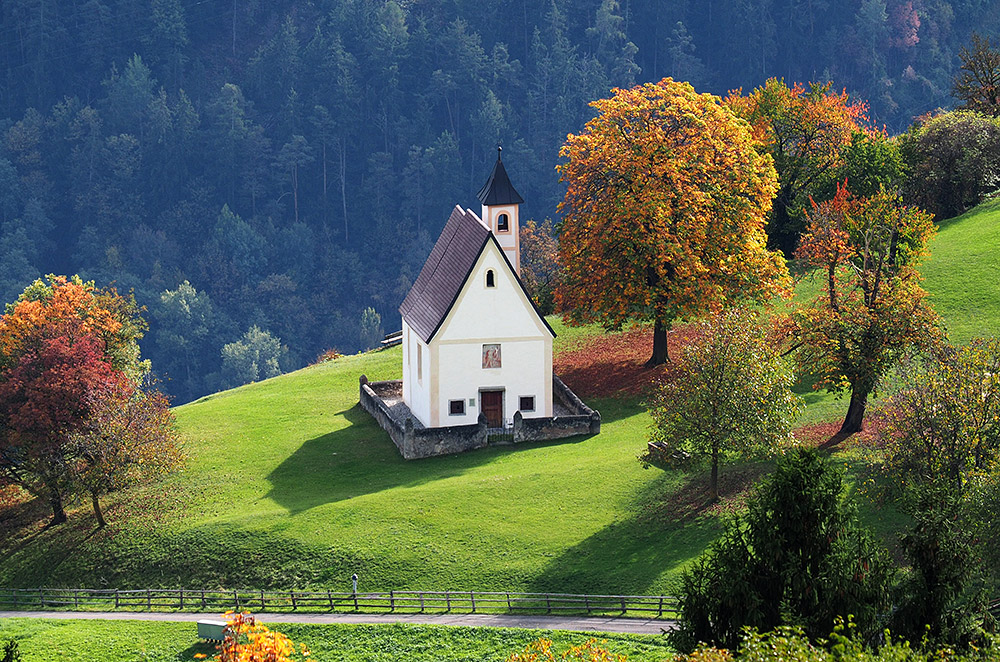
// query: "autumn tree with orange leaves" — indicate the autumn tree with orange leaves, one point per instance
point(72, 411)
point(805, 130)
point(664, 212)
point(872, 307)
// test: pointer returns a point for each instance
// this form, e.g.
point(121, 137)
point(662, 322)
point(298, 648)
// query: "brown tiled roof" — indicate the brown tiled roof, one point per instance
point(452, 258)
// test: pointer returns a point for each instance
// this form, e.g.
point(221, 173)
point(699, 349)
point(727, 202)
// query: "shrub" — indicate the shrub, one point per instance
point(11, 652)
point(941, 604)
point(798, 557)
point(953, 162)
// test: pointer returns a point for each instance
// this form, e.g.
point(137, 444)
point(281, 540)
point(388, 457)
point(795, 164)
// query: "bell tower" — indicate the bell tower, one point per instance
point(500, 211)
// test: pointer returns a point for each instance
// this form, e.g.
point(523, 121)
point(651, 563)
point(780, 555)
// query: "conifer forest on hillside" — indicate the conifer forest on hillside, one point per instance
point(269, 176)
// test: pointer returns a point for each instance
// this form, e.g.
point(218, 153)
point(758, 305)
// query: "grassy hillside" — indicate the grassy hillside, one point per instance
point(135, 641)
point(963, 273)
point(291, 484)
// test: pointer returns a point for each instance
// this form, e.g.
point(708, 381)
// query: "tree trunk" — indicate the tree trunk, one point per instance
point(58, 513)
point(98, 513)
point(855, 411)
point(659, 356)
point(713, 481)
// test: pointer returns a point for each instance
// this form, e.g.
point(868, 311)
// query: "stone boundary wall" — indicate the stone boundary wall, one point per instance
point(416, 442)
point(584, 421)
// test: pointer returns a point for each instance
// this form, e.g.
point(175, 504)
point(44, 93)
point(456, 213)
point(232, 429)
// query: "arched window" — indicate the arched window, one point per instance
point(503, 223)
point(490, 279)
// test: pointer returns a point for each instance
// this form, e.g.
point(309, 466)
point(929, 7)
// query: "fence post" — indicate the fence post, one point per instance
point(15, 598)
point(182, 600)
point(329, 597)
point(660, 613)
point(41, 598)
point(76, 599)
point(447, 598)
point(236, 600)
point(116, 599)
point(262, 605)
point(294, 604)
point(623, 605)
point(548, 603)
point(203, 598)
point(149, 599)
point(355, 600)
point(392, 601)
point(472, 596)
point(508, 602)
point(421, 602)
point(586, 600)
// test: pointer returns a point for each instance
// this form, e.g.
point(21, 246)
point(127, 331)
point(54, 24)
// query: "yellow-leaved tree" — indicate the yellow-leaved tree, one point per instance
point(667, 197)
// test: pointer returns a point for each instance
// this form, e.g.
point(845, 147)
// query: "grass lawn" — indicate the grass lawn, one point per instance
point(135, 641)
point(963, 273)
point(289, 484)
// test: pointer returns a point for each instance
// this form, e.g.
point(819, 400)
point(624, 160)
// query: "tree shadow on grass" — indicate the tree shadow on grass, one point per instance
point(361, 459)
point(673, 523)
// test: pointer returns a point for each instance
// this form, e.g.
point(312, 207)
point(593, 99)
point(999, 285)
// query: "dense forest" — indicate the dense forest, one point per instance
point(268, 177)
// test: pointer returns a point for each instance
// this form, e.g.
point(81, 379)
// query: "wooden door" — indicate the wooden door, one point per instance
point(492, 403)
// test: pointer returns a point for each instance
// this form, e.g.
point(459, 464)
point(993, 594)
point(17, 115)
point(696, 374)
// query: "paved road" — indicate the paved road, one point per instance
point(577, 624)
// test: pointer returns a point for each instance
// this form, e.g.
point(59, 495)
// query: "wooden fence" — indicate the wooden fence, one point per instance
point(659, 606)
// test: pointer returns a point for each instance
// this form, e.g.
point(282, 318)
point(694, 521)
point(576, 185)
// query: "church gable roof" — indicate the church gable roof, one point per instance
point(448, 266)
point(498, 190)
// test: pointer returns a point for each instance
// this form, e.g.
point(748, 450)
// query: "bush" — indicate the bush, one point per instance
point(11, 652)
point(953, 162)
point(791, 645)
point(941, 605)
point(798, 557)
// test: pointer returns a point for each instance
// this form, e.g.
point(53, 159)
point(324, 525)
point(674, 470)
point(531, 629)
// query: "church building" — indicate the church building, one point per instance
point(473, 341)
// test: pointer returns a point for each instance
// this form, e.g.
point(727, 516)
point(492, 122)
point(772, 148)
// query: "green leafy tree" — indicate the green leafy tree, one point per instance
point(728, 396)
point(371, 328)
point(11, 652)
point(797, 557)
point(953, 161)
point(186, 320)
point(257, 355)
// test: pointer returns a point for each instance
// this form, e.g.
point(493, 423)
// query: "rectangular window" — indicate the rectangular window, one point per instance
point(491, 356)
point(456, 407)
point(420, 361)
point(526, 403)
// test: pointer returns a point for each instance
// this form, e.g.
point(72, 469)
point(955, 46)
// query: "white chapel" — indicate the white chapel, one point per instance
point(473, 341)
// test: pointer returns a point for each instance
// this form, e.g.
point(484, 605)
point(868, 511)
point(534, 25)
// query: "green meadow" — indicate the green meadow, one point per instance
point(289, 484)
point(43, 640)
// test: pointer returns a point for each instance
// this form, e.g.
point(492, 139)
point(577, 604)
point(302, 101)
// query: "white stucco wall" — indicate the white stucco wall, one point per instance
point(509, 241)
point(500, 314)
point(416, 383)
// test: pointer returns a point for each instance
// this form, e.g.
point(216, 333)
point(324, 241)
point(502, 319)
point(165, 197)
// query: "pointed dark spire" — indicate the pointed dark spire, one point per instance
point(498, 190)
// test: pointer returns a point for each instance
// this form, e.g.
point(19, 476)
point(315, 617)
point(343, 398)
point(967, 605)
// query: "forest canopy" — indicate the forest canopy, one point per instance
point(285, 166)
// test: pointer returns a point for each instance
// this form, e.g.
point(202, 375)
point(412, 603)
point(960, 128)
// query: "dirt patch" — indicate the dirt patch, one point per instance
point(615, 363)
